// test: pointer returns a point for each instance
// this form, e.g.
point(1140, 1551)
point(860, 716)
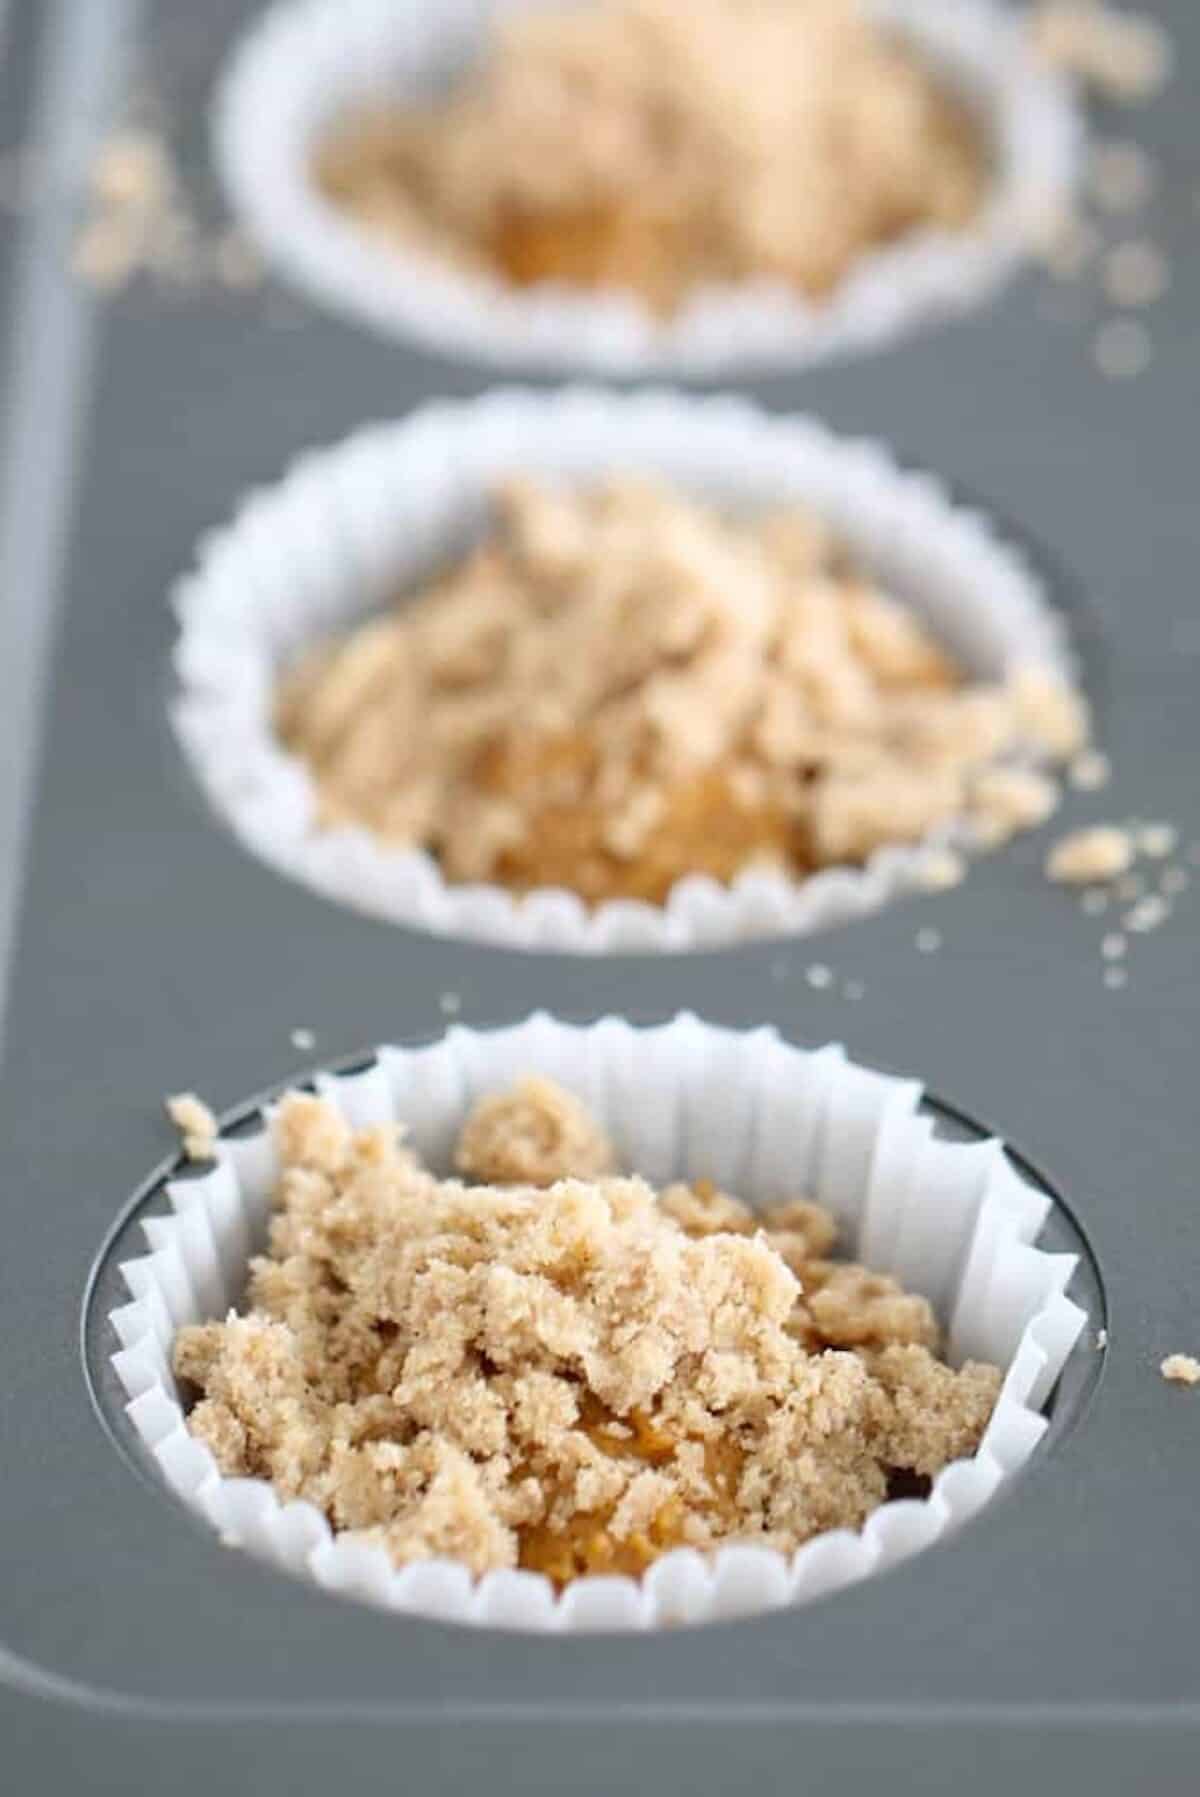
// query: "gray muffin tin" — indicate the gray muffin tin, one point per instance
point(146, 952)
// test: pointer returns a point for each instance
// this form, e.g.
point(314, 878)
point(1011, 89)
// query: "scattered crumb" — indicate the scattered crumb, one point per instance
point(1115, 977)
point(1100, 852)
point(1125, 56)
point(1102, 1338)
point(571, 1377)
point(1135, 274)
point(1157, 840)
point(1114, 946)
point(1121, 176)
point(1148, 914)
point(1089, 771)
point(196, 1125)
point(940, 870)
point(450, 1003)
point(1181, 1369)
point(1122, 349)
point(304, 1040)
point(818, 976)
point(929, 941)
point(1094, 902)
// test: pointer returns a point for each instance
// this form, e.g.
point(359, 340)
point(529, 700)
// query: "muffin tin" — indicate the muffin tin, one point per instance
point(151, 953)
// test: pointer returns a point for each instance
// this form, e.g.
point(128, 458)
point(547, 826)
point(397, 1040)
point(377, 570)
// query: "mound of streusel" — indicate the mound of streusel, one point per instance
point(656, 145)
point(622, 686)
point(570, 1377)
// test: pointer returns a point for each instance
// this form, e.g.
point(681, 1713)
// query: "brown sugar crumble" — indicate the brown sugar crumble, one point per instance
point(197, 1126)
point(571, 1374)
point(621, 686)
point(1181, 1369)
point(655, 145)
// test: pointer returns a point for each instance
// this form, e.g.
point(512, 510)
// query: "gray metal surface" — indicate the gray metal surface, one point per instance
point(150, 953)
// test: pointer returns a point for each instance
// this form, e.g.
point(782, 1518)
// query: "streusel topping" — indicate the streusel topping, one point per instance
point(658, 144)
point(572, 1374)
point(621, 686)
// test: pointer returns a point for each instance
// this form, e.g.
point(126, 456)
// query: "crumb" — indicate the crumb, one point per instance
point(570, 1379)
point(657, 145)
point(1100, 852)
point(1101, 1338)
point(1181, 1369)
point(196, 1124)
point(941, 870)
point(1122, 176)
point(621, 686)
point(929, 941)
point(1157, 840)
point(533, 1135)
point(1090, 771)
point(1148, 914)
point(450, 1003)
point(304, 1040)
point(1135, 274)
point(1114, 946)
point(818, 976)
point(1122, 349)
point(1006, 800)
point(1125, 56)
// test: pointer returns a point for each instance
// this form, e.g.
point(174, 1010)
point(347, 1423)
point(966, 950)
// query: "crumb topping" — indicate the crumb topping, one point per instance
point(570, 1373)
point(621, 686)
point(658, 144)
point(196, 1124)
point(1181, 1369)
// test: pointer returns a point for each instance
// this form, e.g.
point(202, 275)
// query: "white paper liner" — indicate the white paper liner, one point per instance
point(350, 527)
point(308, 61)
point(683, 1100)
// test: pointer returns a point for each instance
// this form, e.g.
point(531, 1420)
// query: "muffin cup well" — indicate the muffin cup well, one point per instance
point(348, 528)
point(684, 1100)
point(307, 62)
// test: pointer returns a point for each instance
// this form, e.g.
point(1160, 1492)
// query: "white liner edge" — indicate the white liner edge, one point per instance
point(350, 526)
point(306, 61)
point(685, 1099)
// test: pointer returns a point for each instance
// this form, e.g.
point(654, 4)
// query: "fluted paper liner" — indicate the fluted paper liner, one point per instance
point(308, 62)
point(350, 527)
point(684, 1100)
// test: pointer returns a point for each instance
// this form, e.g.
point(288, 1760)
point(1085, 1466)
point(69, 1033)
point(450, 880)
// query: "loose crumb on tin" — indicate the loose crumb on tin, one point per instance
point(1135, 274)
point(196, 1124)
point(1158, 840)
point(450, 1004)
point(940, 870)
point(1114, 946)
point(303, 1039)
point(818, 976)
point(1090, 771)
point(1126, 56)
point(1122, 349)
point(1099, 852)
point(571, 1377)
point(1181, 1369)
point(1149, 913)
point(1121, 176)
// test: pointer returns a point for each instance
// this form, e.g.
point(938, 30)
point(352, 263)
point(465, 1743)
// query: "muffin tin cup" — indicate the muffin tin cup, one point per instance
point(350, 527)
point(309, 62)
point(682, 1100)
